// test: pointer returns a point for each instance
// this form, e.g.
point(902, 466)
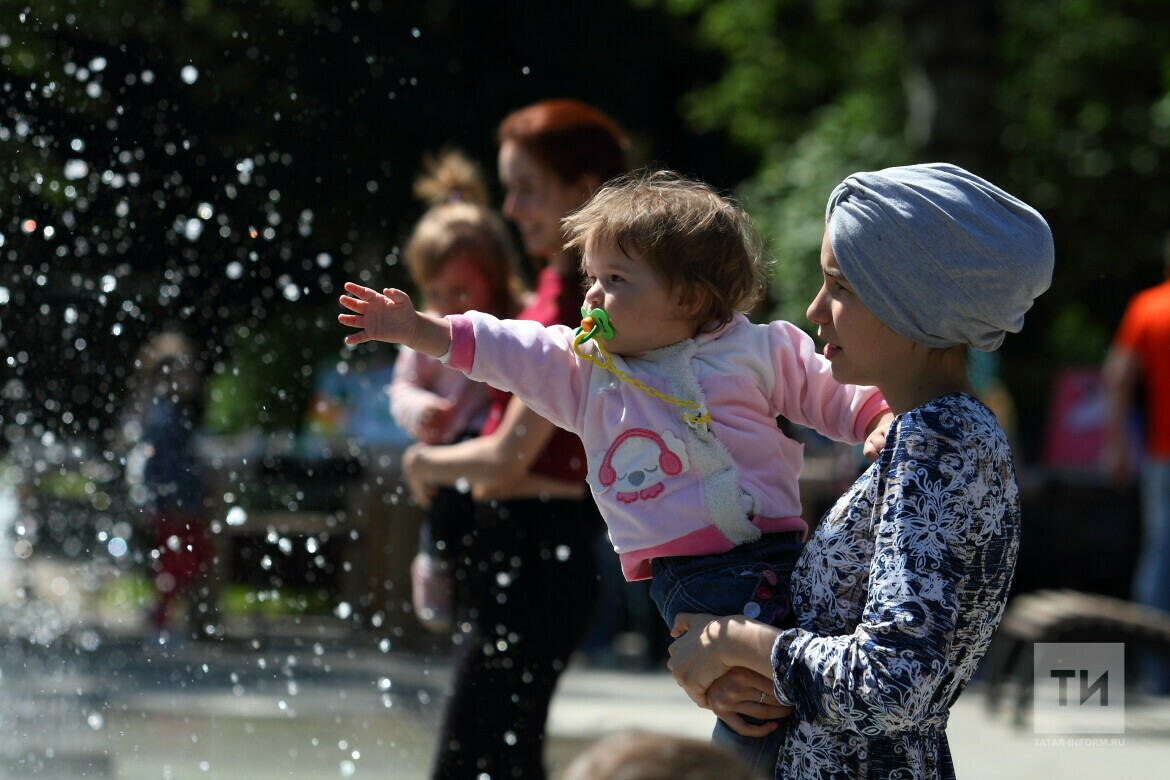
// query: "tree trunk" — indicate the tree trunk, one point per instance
point(949, 80)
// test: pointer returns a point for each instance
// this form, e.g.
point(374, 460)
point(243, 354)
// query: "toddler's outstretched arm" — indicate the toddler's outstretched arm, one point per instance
point(391, 317)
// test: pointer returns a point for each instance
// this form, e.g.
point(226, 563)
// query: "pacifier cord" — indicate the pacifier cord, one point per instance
point(595, 325)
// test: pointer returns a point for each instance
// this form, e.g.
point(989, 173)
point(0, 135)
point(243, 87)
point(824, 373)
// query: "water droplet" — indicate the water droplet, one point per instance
point(76, 169)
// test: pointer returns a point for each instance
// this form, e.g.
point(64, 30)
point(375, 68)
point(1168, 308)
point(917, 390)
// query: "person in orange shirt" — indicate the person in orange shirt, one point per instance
point(1139, 359)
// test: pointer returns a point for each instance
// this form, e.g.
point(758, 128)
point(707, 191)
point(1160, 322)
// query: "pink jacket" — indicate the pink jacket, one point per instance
point(666, 487)
point(419, 380)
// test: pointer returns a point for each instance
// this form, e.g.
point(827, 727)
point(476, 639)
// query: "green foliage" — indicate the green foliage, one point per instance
point(1077, 122)
point(787, 197)
point(814, 90)
point(1088, 140)
point(1077, 336)
point(784, 60)
point(220, 166)
point(267, 382)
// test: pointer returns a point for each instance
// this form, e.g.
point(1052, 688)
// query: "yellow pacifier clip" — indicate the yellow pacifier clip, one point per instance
point(595, 325)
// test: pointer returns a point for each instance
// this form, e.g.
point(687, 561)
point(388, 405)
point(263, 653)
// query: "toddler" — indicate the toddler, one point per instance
point(677, 410)
point(460, 257)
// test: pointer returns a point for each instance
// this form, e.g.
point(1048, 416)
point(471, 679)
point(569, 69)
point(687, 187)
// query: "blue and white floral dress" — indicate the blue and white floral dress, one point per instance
point(897, 595)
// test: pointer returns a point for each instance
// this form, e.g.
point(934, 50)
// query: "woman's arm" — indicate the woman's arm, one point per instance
point(1123, 369)
point(942, 556)
point(529, 486)
point(944, 536)
point(498, 463)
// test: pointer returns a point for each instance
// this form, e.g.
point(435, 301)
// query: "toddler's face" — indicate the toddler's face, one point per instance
point(461, 285)
point(644, 312)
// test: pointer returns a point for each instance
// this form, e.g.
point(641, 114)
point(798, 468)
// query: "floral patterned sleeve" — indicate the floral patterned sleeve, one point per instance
point(905, 579)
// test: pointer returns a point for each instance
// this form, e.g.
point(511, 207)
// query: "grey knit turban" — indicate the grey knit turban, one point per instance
point(938, 254)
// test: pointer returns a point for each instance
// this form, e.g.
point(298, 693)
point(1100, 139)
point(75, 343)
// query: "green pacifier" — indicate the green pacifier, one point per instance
point(594, 323)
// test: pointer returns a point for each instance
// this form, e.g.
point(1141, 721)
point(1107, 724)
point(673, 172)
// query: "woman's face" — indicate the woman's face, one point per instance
point(461, 285)
point(861, 348)
point(536, 200)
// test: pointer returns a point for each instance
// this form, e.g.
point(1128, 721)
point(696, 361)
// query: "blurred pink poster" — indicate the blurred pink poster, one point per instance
point(1076, 419)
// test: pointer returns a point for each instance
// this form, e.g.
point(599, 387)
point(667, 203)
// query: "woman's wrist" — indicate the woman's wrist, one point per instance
point(414, 461)
point(748, 643)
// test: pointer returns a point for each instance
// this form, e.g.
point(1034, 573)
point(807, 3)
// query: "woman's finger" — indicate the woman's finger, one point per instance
point(683, 622)
point(739, 725)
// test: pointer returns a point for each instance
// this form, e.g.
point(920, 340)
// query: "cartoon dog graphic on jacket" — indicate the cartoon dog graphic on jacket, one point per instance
point(638, 461)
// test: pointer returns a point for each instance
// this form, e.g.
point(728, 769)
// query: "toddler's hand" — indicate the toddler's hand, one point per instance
point(876, 441)
point(386, 316)
point(432, 422)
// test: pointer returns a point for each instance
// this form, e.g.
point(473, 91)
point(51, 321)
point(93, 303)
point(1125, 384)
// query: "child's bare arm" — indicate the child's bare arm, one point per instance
point(391, 317)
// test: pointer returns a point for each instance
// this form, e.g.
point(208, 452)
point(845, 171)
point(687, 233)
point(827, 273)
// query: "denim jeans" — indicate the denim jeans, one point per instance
point(1151, 584)
point(752, 579)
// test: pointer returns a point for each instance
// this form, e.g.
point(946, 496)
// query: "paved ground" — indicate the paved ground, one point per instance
point(319, 707)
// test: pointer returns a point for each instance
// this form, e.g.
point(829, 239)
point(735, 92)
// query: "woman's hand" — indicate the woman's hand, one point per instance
point(695, 657)
point(414, 474)
point(743, 692)
point(432, 420)
point(708, 647)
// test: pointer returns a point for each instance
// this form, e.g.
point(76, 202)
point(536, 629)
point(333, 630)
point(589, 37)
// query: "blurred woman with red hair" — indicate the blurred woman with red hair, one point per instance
point(527, 573)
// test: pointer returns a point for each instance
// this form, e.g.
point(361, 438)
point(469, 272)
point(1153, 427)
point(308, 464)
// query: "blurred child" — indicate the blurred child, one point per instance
point(646, 755)
point(675, 400)
point(167, 481)
point(460, 258)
